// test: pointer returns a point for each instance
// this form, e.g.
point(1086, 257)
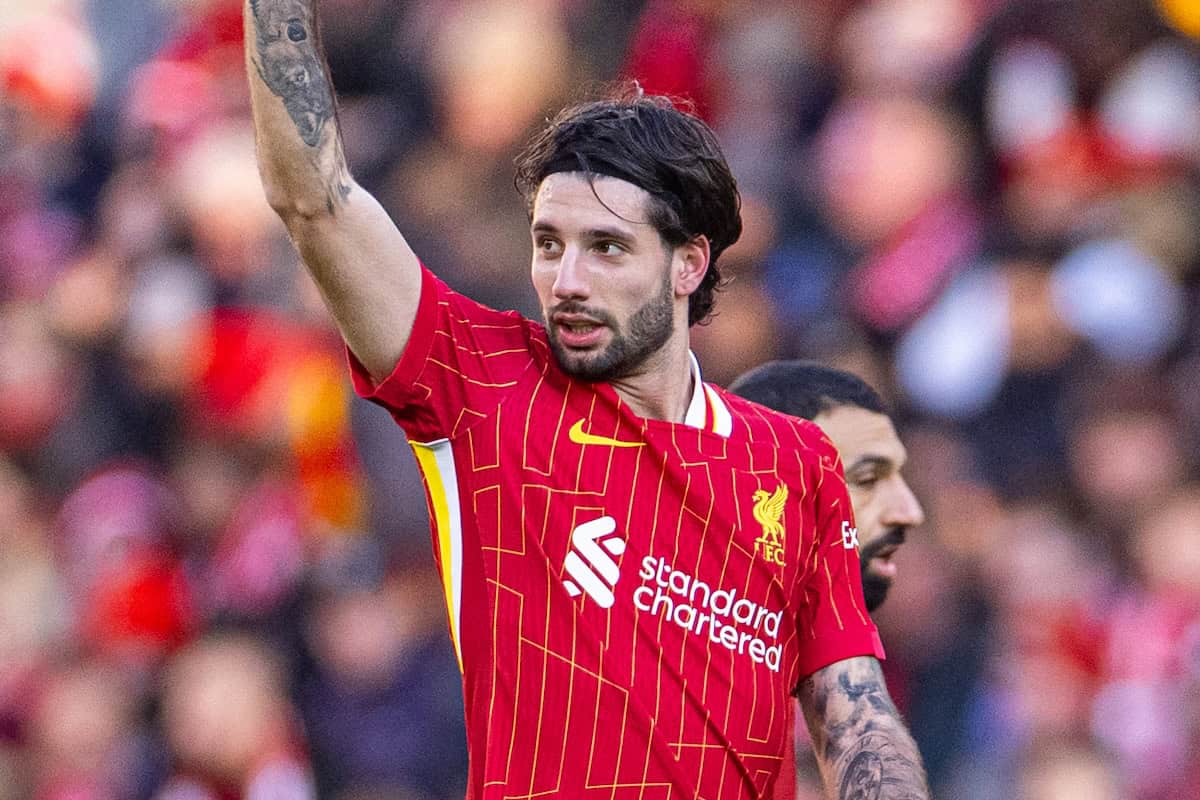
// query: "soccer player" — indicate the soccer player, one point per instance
point(639, 567)
point(855, 419)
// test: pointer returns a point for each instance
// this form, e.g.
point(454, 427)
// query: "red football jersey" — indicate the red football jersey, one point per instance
point(632, 600)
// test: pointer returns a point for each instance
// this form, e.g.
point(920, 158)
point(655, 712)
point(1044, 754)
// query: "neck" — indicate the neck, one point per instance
point(662, 388)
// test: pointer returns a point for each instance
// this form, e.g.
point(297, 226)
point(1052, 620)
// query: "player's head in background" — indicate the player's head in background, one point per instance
point(855, 419)
point(631, 203)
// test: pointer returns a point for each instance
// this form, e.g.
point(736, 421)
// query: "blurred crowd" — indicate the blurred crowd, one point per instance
point(215, 572)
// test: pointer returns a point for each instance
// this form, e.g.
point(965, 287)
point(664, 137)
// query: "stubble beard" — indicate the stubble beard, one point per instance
point(649, 329)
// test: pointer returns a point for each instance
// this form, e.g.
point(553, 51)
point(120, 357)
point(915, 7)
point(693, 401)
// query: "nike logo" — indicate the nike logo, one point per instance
point(578, 436)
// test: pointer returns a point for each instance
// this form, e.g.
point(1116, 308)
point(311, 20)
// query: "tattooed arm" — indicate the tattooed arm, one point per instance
point(862, 745)
point(368, 275)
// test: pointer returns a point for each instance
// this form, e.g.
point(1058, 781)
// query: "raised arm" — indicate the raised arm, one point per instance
point(366, 271)
point(863, 748)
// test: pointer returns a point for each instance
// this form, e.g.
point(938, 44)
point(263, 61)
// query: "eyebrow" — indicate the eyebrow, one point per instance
point(592, 234)
point(871, 461)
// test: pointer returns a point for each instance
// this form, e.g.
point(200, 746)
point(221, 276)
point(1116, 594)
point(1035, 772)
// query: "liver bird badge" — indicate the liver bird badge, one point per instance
point(768, 511)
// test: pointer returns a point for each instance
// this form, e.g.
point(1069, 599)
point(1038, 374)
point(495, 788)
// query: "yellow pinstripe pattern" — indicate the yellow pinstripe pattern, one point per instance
point(468, 379)
point(829, 596)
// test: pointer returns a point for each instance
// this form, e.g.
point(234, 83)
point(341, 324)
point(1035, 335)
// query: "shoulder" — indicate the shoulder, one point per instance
point(757, 423)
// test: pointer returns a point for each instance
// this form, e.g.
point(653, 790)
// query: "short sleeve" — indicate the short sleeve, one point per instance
point(461, 361)
point(832, 622)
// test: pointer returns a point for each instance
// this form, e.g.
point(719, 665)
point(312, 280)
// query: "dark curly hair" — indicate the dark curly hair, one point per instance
point(660, 145)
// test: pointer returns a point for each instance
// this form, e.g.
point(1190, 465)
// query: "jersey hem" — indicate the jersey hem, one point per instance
point(831, 648)
point(416, 350)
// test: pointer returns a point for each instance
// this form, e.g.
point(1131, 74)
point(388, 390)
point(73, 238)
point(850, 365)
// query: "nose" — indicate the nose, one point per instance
point(904, 508)
point(570, 283)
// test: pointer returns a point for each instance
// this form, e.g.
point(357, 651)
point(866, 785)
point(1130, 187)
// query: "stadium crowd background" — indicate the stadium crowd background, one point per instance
point(215, 576)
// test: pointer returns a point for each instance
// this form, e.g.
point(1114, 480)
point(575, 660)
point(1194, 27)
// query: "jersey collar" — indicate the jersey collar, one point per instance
point(707, 411)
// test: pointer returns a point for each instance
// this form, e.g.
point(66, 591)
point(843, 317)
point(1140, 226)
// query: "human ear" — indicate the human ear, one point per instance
point(690, 265)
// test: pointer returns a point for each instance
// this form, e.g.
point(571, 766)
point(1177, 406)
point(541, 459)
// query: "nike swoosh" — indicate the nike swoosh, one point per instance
point(577, 435)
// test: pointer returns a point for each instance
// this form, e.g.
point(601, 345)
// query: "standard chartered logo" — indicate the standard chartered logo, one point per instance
point(593, 570)
point(741, 625)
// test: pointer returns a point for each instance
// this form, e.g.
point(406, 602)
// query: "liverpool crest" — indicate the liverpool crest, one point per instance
point(768, 511)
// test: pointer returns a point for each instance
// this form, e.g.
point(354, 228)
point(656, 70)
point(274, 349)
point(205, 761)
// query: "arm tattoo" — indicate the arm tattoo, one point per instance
point(291, 64)
point(860, 740)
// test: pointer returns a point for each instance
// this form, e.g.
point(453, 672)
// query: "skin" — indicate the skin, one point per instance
point(291, 67)
point(597, 262)
point(862, 746)
point(884, 505)
point(367, 273)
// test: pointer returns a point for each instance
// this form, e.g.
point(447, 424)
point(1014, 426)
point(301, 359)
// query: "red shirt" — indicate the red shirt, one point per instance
point(632, 600)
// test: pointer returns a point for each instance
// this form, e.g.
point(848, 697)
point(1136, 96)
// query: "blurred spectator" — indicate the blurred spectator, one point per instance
point(383, 703)
point(132, 600)
point(1060, 770)
point(231, 729)
point(82, 735)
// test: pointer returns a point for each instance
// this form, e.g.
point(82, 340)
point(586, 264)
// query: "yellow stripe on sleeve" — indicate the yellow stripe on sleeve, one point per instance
point(436, 460)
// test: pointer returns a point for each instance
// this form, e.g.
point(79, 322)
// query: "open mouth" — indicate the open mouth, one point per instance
point(577, 332)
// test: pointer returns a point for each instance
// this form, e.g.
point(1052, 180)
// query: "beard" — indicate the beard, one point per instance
point(649, 328)
point(876, 586)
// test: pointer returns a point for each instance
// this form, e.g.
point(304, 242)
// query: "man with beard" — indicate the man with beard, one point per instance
point(855, 419)
point(638, 566)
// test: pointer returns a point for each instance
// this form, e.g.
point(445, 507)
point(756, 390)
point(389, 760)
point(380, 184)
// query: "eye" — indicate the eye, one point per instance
point(547, 246)
point(864, 480)
point(609, 249)
point(295, 31)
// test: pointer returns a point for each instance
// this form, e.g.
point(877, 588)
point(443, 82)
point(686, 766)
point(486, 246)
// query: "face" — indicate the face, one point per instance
point(884, 506)
point(612, 292)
